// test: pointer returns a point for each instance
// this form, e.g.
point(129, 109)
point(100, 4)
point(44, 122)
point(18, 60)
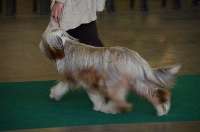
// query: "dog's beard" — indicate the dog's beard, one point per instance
point(109, 72)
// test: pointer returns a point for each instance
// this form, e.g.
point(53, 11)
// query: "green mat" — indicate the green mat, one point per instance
point(26, 105)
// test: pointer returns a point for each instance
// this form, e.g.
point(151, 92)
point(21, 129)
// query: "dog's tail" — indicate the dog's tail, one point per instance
point(162, 76)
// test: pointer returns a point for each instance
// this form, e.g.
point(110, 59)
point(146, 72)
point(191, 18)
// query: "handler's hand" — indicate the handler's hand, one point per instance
point(56, 11)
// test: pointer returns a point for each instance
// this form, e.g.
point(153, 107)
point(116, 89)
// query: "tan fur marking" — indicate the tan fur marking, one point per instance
point(89, 77)
point(69, 78)
point(56, 53)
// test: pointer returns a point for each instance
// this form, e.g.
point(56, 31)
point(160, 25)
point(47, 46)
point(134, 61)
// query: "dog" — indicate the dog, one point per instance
point(106, 72)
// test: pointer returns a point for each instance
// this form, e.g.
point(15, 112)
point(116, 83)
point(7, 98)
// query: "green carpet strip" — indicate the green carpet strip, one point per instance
point(26, 105)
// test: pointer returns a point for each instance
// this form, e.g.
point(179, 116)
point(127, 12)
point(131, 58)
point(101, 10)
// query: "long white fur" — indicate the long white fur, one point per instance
point(121, 67)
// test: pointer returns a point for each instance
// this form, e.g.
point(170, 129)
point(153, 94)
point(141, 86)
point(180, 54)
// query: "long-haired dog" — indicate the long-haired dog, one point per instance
point(106, 72)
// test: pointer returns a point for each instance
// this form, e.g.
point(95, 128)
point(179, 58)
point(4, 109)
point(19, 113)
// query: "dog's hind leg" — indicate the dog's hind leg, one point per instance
point(118, 103)
point(160, 98)
point(59, 90)
point(98, 100)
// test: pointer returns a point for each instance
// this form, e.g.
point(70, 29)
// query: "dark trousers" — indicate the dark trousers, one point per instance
point(164, 2)
point(44, 6)
point(195, 2)
point(143, 5)
point(132, 4)
point(1, 6)
point(10, 7)
point(87, 34)
point(111, 6)
point(176, 4)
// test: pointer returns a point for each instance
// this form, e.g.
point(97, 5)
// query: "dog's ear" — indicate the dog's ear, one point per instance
point(53, 45)
point(56, 53)
point(56, 49)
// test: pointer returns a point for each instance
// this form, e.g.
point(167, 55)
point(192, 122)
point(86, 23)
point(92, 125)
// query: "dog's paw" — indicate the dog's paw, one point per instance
point(163, 109)
point(98, 107)
point(108, 108)
point(53, 95)
point(113, 108)
point(125, 109)
point(58, 91)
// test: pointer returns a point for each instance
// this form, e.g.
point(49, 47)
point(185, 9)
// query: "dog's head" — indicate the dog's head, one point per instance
point(52, 43)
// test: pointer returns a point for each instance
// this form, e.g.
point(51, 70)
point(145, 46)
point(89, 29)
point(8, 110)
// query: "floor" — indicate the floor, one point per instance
point(163, 36)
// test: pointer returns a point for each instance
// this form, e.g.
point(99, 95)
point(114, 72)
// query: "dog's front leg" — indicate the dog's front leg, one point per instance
point(98, 100)
point(59, 90)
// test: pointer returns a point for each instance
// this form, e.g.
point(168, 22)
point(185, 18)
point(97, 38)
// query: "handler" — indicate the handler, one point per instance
point(78, 18)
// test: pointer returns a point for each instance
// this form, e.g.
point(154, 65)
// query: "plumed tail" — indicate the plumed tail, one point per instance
point(162, 76)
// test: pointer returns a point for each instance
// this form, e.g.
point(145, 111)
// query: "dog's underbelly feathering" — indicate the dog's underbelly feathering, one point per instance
point(109, 72)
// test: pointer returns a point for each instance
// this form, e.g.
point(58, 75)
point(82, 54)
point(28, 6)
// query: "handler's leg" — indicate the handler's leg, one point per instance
point(87, 33)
